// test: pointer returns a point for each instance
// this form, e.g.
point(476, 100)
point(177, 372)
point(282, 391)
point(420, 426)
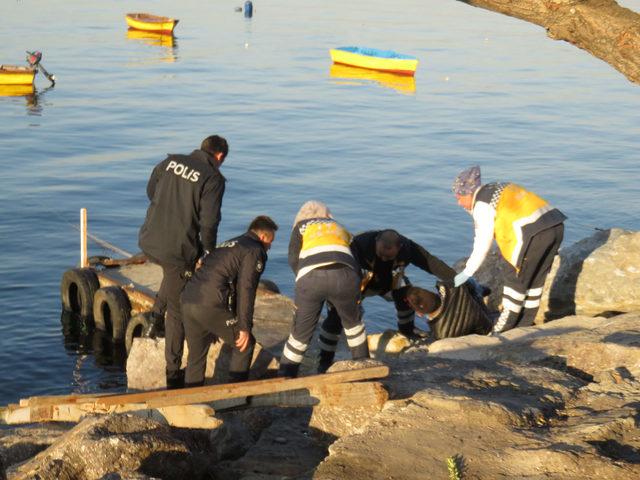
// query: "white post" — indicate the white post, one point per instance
point(83, 238)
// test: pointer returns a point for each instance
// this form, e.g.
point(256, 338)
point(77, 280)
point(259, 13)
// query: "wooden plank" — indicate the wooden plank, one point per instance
point(245, 389)
point(361, 394)
point(184, 416)
point(70, 406)
point(56, 399)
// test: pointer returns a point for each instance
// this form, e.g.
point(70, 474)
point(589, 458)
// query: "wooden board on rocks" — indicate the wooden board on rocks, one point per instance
point(182, 407)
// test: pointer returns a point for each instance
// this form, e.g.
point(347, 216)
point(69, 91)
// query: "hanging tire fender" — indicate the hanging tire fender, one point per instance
point(77, 289)
point(137, 327)
point(111, 311)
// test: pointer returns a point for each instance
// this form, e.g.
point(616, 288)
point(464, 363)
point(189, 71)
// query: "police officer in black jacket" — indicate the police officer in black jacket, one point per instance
point(383, 256)
point(181, 225)
point(218, 301)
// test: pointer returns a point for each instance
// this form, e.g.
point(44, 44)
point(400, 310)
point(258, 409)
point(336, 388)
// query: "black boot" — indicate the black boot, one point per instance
point(175, 380)
point(325, 361)
point(289, 370)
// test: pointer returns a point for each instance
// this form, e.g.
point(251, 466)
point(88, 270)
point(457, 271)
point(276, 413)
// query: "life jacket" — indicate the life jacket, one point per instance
point(323, 242)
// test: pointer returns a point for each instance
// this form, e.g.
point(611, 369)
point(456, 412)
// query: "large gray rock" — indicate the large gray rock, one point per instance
point(273, 315)
point(587, 344)
point(108, 445)
point(20, 444)
point(146, 364)
point(596, 275)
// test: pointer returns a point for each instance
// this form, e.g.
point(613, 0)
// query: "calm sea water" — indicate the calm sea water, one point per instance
point(489, 90)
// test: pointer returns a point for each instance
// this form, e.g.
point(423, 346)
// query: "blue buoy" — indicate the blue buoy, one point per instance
point(248, 9)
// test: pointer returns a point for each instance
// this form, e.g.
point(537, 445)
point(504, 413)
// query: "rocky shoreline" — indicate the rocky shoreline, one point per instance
point(556, 400)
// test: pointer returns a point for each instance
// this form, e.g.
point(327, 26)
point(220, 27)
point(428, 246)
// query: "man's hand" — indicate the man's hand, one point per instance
point(242, 342)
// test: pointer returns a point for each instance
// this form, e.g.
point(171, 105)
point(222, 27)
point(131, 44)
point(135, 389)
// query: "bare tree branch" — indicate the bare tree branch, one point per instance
point(601, 27)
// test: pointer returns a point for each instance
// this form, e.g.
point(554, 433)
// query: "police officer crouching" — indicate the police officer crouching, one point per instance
point(218, 301)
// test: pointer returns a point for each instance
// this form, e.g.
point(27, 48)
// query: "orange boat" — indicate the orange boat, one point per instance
point(147, 22)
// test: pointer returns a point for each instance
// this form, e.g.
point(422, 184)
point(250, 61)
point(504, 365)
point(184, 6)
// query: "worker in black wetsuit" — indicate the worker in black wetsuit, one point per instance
point(181, 226)
point(383, 256)
point(218, 301)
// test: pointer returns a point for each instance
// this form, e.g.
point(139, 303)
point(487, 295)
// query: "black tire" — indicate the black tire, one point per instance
point(77, 288)
point(137, 327)
point(269, 285)
point(111, 312)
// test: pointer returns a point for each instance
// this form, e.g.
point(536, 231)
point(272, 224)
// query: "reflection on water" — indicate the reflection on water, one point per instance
point(32, 97)
point(90, 345)
point(167, 42)
point(400, 83)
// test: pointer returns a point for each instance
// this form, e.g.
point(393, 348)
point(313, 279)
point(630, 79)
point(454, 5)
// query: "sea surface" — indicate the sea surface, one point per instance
point(380, 151)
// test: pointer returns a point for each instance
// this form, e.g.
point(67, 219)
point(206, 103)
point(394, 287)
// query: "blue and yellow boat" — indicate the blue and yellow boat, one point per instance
point(375, 59)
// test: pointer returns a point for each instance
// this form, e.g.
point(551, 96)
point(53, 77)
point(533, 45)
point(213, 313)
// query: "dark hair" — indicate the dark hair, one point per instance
point(262, 223)
point(389, 238)
point(425, 300)
point(215, 144)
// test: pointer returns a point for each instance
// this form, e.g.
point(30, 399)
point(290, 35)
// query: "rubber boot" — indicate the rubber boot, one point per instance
point(289, 370)
point(175, 380)
point(325, 361)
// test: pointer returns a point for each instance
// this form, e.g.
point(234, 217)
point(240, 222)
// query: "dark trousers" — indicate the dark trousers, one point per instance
point(338, 285)
point(174, 279)
point(523, 289)
point(332, 325)
point(202, 327)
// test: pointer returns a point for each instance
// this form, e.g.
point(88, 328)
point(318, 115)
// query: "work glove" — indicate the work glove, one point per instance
point(460, 278)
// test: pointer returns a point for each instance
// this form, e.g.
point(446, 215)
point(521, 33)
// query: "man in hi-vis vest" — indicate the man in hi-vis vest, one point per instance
point(528, 232)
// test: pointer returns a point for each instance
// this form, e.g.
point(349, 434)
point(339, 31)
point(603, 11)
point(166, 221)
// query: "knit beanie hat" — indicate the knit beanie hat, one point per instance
point(467, 181)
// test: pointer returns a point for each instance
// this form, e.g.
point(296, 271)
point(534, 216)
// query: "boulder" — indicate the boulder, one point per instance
point(273, 315)
point(389, 342)
point(597, 275)
point(146, 364)
point(20, 444)
point(3, 475)
point(125, 445)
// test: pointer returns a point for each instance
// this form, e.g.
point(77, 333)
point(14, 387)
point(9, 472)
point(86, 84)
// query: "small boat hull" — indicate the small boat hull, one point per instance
point(14, 75)
point(16, 90)
point(374, 59)
point(151, 23)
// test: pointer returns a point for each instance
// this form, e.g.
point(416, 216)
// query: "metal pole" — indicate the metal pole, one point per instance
point(84, 262)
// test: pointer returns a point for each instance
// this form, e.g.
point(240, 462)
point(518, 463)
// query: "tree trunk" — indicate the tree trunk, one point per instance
point(601, 27)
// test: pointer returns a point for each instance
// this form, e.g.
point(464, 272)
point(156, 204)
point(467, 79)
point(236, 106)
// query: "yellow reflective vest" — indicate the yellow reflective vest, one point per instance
point(520, 214)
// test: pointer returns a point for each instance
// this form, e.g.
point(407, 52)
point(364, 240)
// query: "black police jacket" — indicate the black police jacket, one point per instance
point(182, 220)
point(228, 279)
point(363, 247)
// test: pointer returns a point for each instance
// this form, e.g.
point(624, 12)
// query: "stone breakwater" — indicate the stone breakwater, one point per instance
point(558, 400)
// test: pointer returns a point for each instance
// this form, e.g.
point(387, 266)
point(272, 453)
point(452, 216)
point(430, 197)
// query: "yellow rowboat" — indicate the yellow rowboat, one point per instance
point(374, 59)
point(151, 23)
point(151, 38)
point(16, 90)
point(400, 83)
point(14, 75)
